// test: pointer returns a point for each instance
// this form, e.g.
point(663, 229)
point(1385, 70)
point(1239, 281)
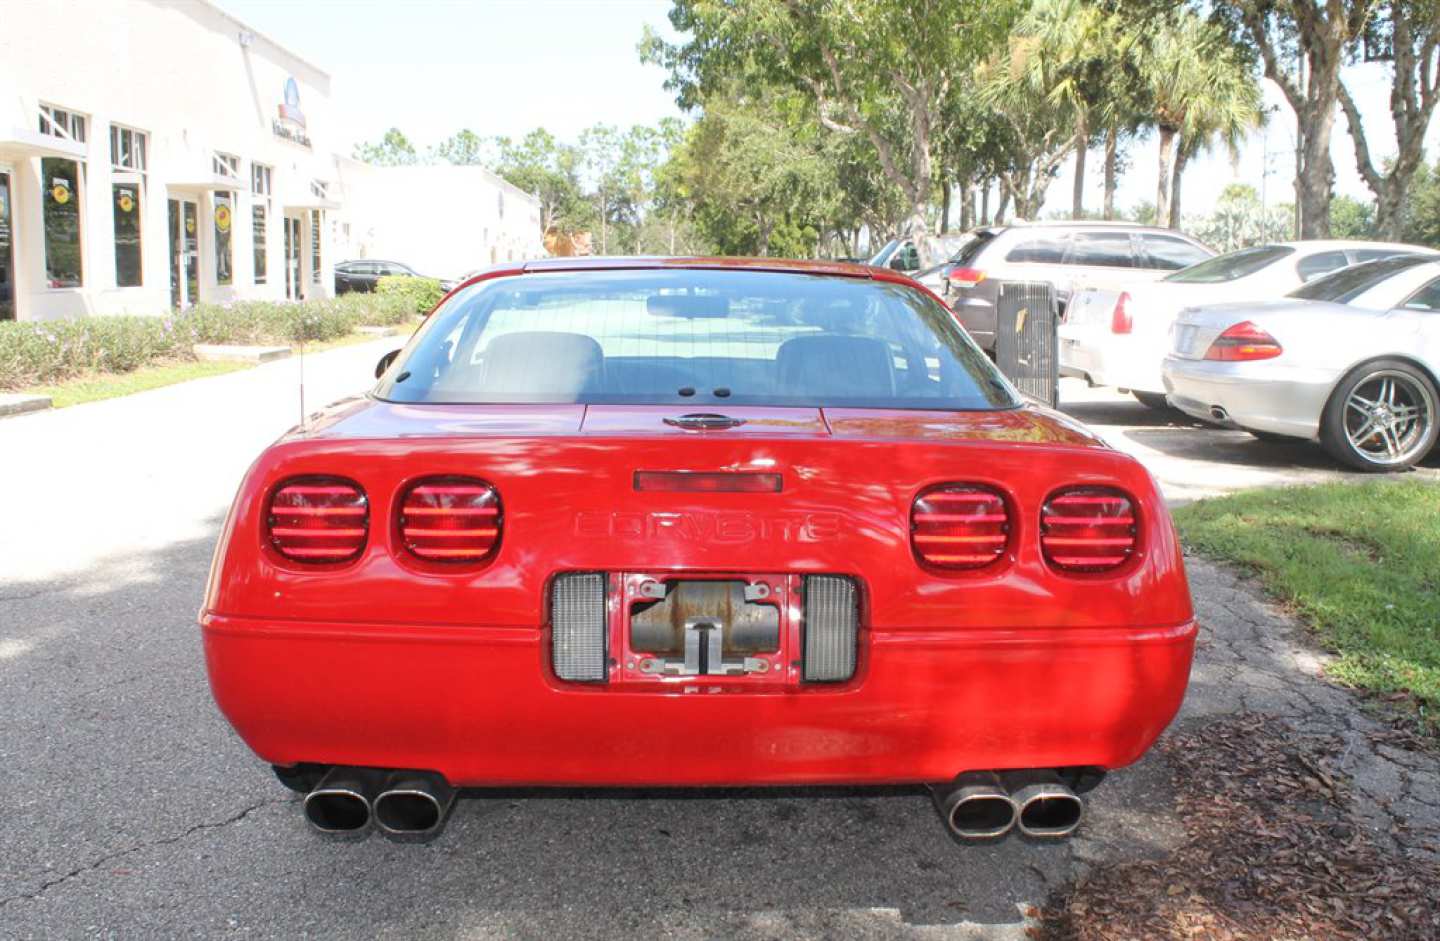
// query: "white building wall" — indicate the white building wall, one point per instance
point(196, 81)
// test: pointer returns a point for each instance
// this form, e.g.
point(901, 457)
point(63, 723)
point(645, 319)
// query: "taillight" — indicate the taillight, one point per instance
point(450, 519)
point(959, 526)
point(318, 519)
point(1120, 320)
point(1088, 529)
point(965, 277)
point(1244, 342)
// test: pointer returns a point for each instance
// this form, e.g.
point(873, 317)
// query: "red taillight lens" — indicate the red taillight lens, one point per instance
point(1120, 320)
point(959, 526)
point(450, 519)
point(318, 519)
point(965, 277)
point(1088, 529)
point(1243, 342)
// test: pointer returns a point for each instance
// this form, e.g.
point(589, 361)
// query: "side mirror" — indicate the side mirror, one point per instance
point(897, 263)
point(385, 362)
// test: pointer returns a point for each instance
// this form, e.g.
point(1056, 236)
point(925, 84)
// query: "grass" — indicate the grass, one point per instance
point(94, 387)
point(1360, 562)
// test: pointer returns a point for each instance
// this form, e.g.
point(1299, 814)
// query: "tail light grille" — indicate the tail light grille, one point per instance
point(577, 623)
point(959, 526)
point(450, 519)
point(832, 620)
point(318, 519)
point(1088, 529)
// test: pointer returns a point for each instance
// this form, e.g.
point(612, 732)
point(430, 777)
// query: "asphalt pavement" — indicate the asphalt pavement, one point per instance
point(130, 809)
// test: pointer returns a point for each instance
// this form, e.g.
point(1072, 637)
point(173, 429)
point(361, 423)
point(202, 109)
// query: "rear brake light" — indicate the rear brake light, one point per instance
point(1088, 529)
point(1244, 342)
point(1120, 319)
point(450, 519)
point(318, 519)
point(959, 526)
point(965, 277)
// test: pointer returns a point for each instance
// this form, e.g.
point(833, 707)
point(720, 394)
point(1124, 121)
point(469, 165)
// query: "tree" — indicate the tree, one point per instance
point(1405, 33)
point(1351, 219)
point(465, 148)
point(869, 69)
point(1422, 209)
point(1303, 46)
point(392, 150)
point(549, 169)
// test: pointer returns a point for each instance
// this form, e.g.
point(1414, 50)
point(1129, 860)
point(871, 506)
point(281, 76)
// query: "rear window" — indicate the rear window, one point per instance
point(1343, 286)
point(1232, 265)
point(1102, 250)
point(695, 338)
point(1169, 253)
point(1039, 250)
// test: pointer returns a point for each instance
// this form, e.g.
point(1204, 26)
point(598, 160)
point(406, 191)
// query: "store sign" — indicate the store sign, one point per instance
point(290, 125)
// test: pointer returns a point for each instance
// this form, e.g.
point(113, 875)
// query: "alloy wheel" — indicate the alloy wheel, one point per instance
point(1388, 417)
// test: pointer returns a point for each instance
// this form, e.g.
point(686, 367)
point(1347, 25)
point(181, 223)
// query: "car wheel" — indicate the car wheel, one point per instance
point(1382, 417)
point(1152, 400)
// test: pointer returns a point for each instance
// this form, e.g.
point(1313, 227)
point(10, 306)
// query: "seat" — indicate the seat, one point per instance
point(845, 367)
point(541, 364)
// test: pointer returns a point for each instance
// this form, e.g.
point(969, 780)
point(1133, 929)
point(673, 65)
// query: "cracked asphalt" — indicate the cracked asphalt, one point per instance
point(129, 809)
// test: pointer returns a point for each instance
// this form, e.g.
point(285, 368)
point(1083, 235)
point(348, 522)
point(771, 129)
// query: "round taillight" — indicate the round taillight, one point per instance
point(318, 519)
point(450, 519)
point(1088, 529)
point(959, 526)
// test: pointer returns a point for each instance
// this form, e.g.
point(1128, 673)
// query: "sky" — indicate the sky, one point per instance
point(433, 67)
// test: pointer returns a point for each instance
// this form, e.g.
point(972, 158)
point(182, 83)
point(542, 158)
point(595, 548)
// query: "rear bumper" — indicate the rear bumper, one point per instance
point(1261, 396)
point(1124, 362)
point(477, 705)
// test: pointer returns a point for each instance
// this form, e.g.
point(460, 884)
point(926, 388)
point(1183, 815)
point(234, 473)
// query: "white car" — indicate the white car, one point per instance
point(1350, 359)
point(1117, 333)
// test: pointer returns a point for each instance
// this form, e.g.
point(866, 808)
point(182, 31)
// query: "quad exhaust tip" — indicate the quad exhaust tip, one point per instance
point(340, 804)
point(1046, 807)
point(413, 805)
point(976, 807)
point(984, 805)
point(403, 805)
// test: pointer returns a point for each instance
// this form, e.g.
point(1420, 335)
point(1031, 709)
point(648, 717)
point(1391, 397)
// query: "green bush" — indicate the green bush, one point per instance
point(422, 294)
point(35, 352)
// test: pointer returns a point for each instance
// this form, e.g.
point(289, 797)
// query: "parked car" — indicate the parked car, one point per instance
point(1117, 333)
point(362, 275)
point(1060, 253)
point(622, 522)
point(1350, 358)
point(909, 255)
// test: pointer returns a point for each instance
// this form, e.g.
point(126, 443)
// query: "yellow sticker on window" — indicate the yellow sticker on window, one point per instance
point(127, 202)
point(222, 218)
point(60, 192)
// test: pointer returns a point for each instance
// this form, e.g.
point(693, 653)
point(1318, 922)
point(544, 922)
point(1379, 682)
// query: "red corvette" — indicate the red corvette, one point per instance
point(695, 522)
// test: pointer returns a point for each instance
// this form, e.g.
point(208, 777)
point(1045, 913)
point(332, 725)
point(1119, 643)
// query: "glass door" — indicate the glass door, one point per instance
point(184, 253)
point(7, 253)
point(292, 258)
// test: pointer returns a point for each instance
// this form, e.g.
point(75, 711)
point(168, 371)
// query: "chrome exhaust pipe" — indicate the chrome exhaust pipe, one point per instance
point(340, 803)
point(1218, 413)
point(975, 807)
point(1045, 807)
point(413, 805)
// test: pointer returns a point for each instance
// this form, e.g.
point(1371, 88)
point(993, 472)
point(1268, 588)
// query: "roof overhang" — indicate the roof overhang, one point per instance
point(311, 202)
point(204, 181)
point(17, 142)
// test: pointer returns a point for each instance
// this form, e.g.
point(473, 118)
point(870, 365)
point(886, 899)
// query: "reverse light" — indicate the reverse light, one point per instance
point(959, 526)
point(1243, 342)
point(450, 520)
point(318, 519)
point(1120, 319)
point(965, 277)
point(577, 626)
point(832, 621)
point(1088, 529)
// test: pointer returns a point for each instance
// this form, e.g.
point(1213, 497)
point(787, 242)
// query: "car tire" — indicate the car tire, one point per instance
point(1153, 400)
point(1382, 417)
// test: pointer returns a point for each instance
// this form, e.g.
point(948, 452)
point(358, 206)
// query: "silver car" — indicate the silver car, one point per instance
point(1065, 254)
point(1350, 358)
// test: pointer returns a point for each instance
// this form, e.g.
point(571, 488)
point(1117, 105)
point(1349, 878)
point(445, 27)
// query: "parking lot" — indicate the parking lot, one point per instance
point(130, 809)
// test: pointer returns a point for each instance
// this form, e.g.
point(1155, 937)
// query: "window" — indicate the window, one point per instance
point(1343, 286)
point(315, 246)
point(675, 337)
point(1427, 298)
point(1232, 265)
point(319, 189)
point(224, 221)
point(66, 125)
point(1374, 254)
point(1102, 250)
point(1169, 253)
point(1313, 266)
point(227, 166)
point(1039, 250)
point(261, 183)
point(60, 179)
point(127, 149)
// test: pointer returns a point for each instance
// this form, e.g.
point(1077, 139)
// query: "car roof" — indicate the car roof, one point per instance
point(1085, 224)
point(1355, 243)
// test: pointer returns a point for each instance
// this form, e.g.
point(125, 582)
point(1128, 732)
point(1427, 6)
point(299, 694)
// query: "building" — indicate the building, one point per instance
point(172, 155)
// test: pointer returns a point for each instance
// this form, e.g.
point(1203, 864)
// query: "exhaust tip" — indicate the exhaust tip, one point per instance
point(976, 807)
point(1218, 413)
point(1048, 810)
point(413, 806)
point(337, 810)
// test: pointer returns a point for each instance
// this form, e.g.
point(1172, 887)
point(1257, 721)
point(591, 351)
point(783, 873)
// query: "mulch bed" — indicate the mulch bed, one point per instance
point(1270, 853)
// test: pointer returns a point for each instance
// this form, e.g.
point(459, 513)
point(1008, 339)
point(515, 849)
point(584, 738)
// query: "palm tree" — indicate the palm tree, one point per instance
point(1200, 90)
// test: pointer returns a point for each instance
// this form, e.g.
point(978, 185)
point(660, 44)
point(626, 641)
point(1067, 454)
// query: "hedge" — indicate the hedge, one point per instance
point(422, 294)
point(36, 352)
